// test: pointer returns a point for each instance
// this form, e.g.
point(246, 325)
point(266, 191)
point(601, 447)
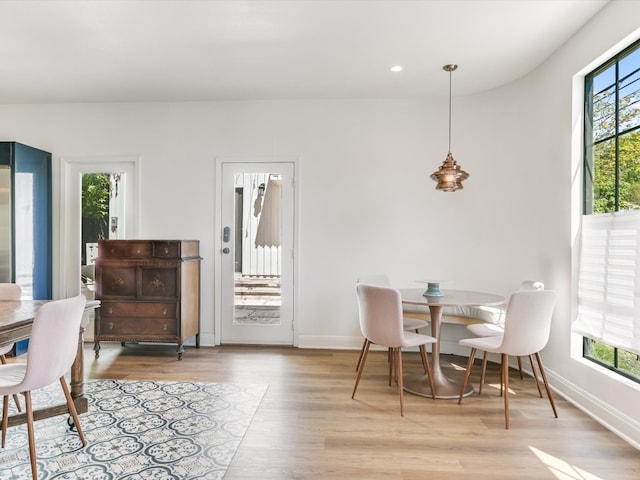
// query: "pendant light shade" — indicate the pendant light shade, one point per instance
point(449, 175)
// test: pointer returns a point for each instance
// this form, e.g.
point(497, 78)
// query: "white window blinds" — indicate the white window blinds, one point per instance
point(609, 280)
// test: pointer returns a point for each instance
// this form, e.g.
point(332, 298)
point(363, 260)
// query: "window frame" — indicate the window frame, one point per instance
point(588, 175)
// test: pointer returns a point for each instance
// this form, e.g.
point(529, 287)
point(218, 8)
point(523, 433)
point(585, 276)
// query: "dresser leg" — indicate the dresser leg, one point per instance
point(180, 351)
point(96, 349)
point(197, 340)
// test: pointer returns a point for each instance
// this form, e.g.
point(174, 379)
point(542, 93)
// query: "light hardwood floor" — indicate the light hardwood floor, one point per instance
point(308, 427)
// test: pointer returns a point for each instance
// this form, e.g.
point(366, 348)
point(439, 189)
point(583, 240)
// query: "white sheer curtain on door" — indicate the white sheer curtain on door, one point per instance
point(270, 223)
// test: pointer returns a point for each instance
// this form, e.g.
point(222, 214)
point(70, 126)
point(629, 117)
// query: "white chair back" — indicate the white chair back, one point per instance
point(53, 342)
point(527, 322)
point(10, 291)
point(380, 311)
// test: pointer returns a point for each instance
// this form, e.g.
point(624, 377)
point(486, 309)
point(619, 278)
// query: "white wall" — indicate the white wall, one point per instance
point(611, 399)
point(366, 196)
point(539, 121)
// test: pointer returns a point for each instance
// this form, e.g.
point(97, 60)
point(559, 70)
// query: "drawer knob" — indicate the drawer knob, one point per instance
point(110, 310)
point(165, 327)
point(166, 251)
point(110, 326)
point(164, 311)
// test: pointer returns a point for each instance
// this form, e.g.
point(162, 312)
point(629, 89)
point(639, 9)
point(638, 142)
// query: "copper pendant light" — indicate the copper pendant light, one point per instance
point(449, 175)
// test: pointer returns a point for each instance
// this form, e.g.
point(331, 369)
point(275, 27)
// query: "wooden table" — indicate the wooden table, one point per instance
point(444, 386)
point(16, 319)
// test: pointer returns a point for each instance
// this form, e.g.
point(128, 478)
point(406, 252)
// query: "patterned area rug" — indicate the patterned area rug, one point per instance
point(137, 430)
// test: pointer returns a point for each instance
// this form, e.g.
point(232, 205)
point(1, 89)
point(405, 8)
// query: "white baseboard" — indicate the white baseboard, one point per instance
point(330, 342)
point(622, 425)
point(355, 343)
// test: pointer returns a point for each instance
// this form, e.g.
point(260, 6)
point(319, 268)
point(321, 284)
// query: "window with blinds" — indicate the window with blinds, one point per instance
point(609, 282)
point(609, 279)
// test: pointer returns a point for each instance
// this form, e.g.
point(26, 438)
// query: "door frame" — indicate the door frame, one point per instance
point(71, 171)
point(217, 243)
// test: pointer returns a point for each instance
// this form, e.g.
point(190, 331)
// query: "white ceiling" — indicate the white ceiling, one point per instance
point(150, 50)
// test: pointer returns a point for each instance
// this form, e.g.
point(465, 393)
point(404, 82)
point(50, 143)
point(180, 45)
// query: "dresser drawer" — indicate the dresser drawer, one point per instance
point(138, 309)
point(166, 249)
point(139, 249)
point(159, 282)
point(126, 327)
point(125, 249)
point(115, 281)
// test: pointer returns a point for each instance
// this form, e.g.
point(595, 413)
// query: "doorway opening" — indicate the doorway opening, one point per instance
point(102, 209)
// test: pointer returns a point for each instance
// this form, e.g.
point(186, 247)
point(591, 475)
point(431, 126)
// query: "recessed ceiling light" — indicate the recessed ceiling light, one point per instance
point(396, 68)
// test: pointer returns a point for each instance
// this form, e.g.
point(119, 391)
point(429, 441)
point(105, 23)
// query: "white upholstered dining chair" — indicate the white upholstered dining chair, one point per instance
point(527, 326)
point(53, 345)
point(497, 329)
point(380, 313)
point(409, 324)
point(9, 291)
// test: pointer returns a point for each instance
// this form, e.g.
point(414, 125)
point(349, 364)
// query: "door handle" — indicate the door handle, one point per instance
point(225, 250)
point(226, 235)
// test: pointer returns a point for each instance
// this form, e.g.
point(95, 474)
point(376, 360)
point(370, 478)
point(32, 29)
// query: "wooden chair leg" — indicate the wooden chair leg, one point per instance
point(546, 385)
point(5, 418)
point(467, 374)
point(535, 375)
point(17, 401)
point(392, 365)
point(400, 381)
point(484, 371)
point(31, 435)
point(520, 368)
point(364, 345)
point(364, 359)
point(505, 377)
point(501, 376)
point(72, 410)
point(425, 360)
point(428, 371)
point(3, 360)
point(423, 353)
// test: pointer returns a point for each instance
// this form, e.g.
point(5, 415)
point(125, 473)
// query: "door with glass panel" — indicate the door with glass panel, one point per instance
point(256, 255)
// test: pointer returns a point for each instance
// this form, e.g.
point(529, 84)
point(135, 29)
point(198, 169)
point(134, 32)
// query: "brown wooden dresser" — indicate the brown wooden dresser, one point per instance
point(149, 292)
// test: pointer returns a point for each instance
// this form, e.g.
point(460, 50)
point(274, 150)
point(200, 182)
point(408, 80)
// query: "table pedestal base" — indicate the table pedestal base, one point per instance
point(418, 384)
point(443, 386)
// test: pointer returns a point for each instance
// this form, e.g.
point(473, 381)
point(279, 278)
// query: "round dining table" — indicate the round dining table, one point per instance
point(445, 387)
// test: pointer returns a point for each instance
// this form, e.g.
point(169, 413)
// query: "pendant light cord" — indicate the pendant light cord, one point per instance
point(450, 111)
